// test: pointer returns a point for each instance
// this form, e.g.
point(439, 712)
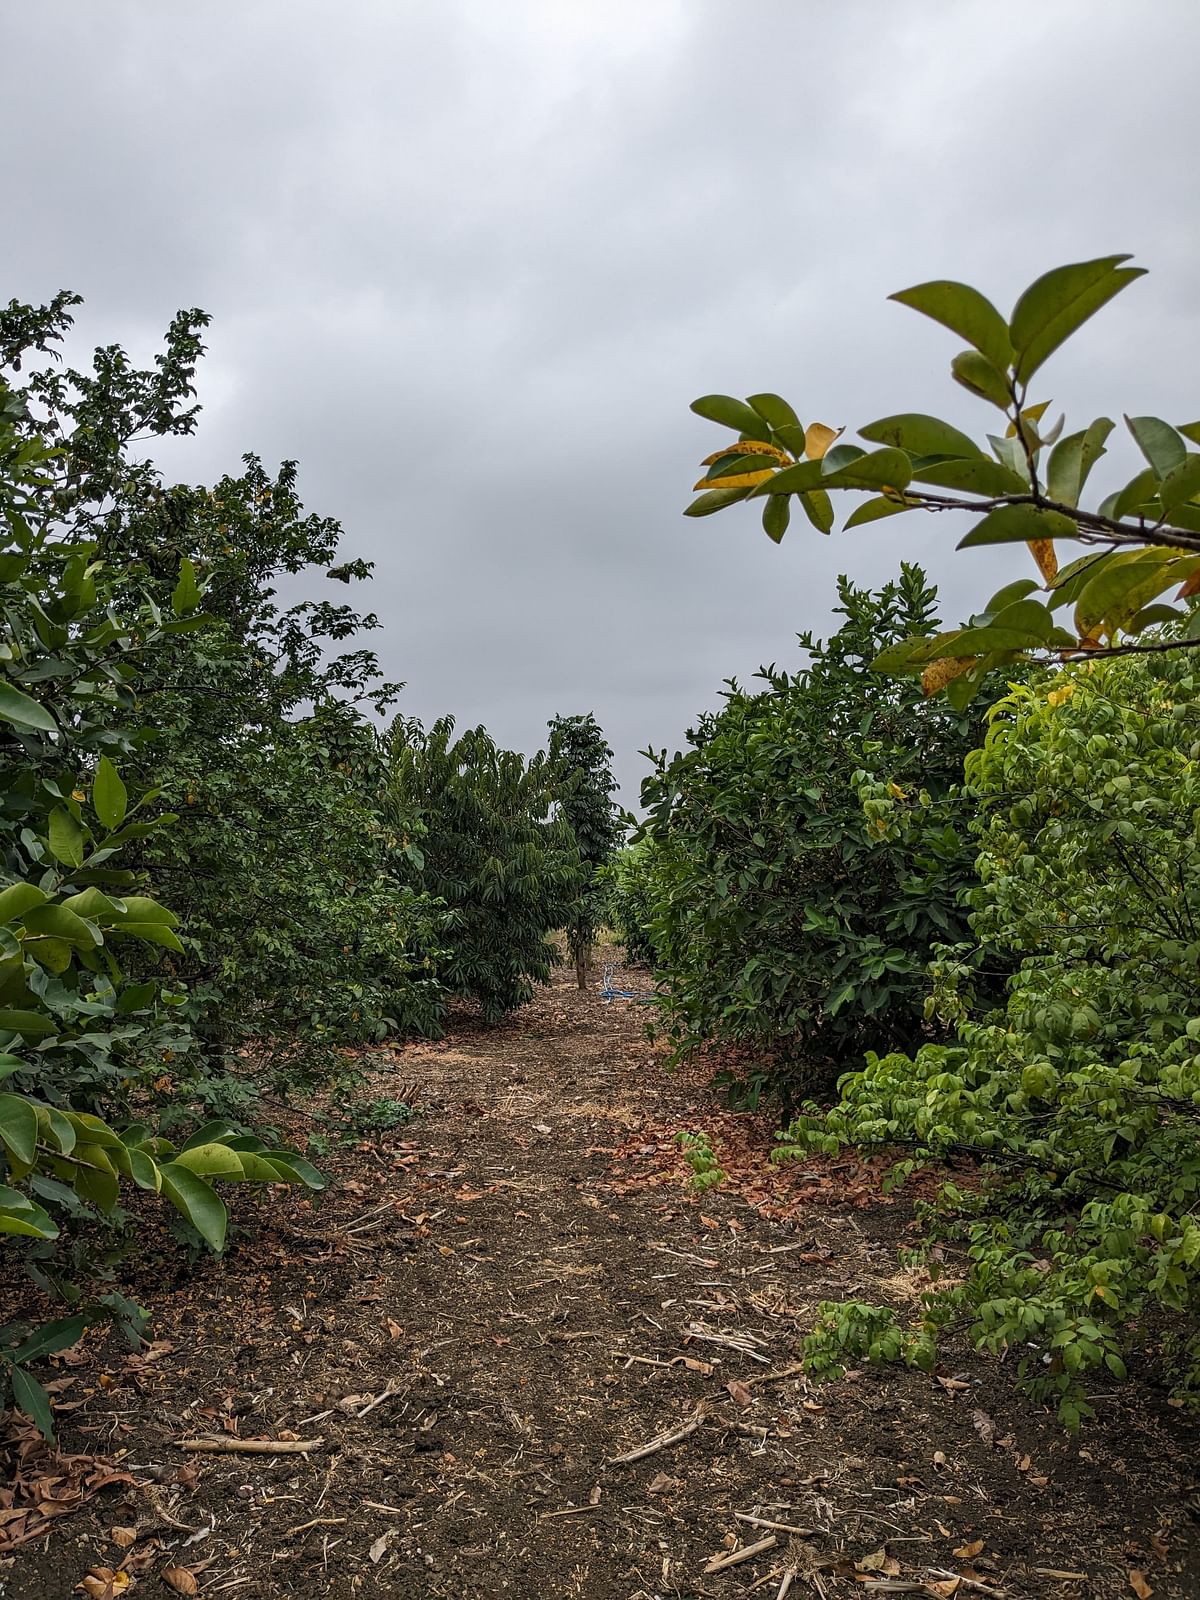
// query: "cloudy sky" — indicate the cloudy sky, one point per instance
point(468, 262)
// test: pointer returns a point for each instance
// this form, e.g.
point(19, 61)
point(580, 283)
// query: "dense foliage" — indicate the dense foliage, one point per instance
point(580, 761)
point(1143, 540)
point(486, 843)
point(776, 916)
point(1082, 1093)
point(629, 899)
point(77, 1037)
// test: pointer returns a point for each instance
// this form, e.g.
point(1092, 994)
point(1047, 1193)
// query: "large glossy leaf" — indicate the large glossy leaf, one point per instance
point(1072, 460)
point(109, 795)
point(888, 468)
point(66, 837)
point(33, 1024)
point(29, 1397)
point(197, 1201)
point(1061, 301)
point(966, 312)
point(818, 508)
point(714, 500)
point(187, 595)
point(19, 1214)
point(210, 1161)
point(804, 475)
point(921, 435)
point(17, 899)
point(23, 711)
point(774, 410)
point(873, 510)
point(735, 414)
point(1158, 441)
point(976, 373)
point(58, 922)
point(50, 1338)
point(980, 475)
point(777, 513)
point(1019, 524)
point(18, 1128)
point(1181, 484)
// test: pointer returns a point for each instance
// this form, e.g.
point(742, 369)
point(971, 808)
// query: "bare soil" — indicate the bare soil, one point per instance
point(498, 1301)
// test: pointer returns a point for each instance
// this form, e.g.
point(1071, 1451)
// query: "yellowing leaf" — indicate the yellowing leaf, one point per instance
point(749, 447)
point(1044, 554)
point(939, 673)
point(738, 480)
point(1191, 587)
point(818, 438)
point(1137, 1582)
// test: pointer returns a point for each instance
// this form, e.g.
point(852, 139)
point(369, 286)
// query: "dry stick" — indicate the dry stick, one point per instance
point(377, 1505)
point(789, 1579)
point(796, 1370)
point(571, 1511)
point(251, 1447)
point(663, 1441)
point(764, 1522)
point(392, 1387)
point(317, 1522)
point(736, 1557)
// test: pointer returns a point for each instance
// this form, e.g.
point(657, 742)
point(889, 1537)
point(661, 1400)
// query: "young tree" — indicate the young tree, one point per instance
point(1025, 487)
point(580, 759)
point(481, 836)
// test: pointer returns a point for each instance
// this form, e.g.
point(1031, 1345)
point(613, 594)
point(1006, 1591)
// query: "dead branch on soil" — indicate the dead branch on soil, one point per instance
point(663, 1441)
point(736, 1557)
point(250, 1447)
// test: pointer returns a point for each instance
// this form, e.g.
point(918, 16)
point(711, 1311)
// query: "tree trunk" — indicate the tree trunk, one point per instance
point(581, 966)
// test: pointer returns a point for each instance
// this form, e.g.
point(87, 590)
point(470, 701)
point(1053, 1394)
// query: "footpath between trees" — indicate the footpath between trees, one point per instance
point(515, 1352)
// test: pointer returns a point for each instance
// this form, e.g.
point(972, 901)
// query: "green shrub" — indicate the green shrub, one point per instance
point(580, 764)
point(1081, 1096)
point(629, 899)
point(486, 844)
point(777, 917)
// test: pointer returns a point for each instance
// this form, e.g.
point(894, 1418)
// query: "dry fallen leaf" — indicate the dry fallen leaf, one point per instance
point(942, 1586)
point(379, 1549)
point(1137, 1582)
point(738, 1392)
point(123, 1536)
point(181, 1580)
point(984, 1426)
point(967, 1551)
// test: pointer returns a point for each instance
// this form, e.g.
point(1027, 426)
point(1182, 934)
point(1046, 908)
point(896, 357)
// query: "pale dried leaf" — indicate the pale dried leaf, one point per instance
point(181, 1580)
point(818, 438)
point(1137, 1582)
point(967, 1552)
point(739, 1393)
point(123, 1536)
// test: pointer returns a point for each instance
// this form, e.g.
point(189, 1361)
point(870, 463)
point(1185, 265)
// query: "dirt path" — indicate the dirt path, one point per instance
point(520, 1287)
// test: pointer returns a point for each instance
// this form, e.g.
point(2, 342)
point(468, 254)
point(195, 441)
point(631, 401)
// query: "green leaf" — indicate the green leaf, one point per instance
point(1181, 484)
point(774, 410)
point(1135, 493)
point(302, 1171)
point(977, 476)
point(110, 797)
point(1073, 458)
point(714, 500)
point(1010, 593)
point(976, 373)
point(17, 899)
point(731, 466)
point(23, 711)
point(1059, 302)
point(149, 933)
point(187, 595)
point(731, 413)
point(792, 480)
point(57, 922)
point(30, 1398)
point(1158, 441)
point(10, 1064)
point(197, 1201)
point(19, 1214)
point(50, 1338)
point(964, 311)
point(210, 1161)
point(1018, 524)
point(920, 435)
point(777, 513)
point(878, 469)
point(141, 908)
point(30, 1023)
point(818, 508)
point(66, 837)
point(873, 510)
point(18, 1128)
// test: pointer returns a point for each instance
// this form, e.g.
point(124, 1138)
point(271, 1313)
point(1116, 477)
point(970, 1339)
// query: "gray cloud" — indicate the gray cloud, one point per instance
point(469, 263)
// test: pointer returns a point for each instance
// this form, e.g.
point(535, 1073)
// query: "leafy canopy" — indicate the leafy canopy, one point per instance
point(1024, 485)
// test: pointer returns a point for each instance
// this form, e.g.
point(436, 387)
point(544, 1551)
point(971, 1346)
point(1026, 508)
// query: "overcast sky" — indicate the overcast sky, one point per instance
point(469, 263)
